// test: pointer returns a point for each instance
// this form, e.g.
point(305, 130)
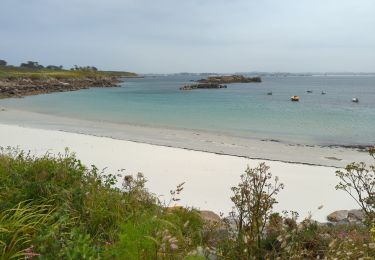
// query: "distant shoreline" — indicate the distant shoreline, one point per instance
point(21, 81)
point(28, 87)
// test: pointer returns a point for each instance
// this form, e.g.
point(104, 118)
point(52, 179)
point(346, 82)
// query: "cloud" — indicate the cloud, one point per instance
point(195, 35)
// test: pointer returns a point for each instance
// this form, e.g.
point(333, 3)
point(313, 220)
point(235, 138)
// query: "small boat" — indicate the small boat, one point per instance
point(355, 100)
point(323, 93)
point(269, 93)
point(294, 98)
point(309, 91)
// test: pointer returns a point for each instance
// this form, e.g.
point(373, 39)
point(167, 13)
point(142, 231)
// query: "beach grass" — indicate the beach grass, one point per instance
point(53, 206)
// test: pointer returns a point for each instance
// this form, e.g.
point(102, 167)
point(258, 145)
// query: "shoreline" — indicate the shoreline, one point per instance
point(208, 176)
point(22, 87)
point(195, 140)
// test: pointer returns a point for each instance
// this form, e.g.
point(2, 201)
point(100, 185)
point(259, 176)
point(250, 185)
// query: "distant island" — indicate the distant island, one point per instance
point(217, 82)
point(31, 78)
point(230, 79)
point(203, 86)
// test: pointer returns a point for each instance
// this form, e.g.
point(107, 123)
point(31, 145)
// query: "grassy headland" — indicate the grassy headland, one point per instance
point(13, 72)
point(23, 81)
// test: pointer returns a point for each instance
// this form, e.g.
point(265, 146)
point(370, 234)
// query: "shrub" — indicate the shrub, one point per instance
point(55, 207)
point(254, 198)
point(358, 181)
point(77, 212)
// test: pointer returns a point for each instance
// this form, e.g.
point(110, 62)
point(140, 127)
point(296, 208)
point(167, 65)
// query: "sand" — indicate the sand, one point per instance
point(208, 176)
point(220, 143)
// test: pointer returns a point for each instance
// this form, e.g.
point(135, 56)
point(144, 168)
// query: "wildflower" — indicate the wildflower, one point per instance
point(174, 247)
point(29, 254)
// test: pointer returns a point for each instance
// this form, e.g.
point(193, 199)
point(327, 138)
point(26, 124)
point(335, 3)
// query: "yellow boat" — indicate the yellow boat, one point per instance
point(294, 98)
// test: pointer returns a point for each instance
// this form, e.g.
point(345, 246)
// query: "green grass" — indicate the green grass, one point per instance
point(57, 207)
point(18, 225)
point(18, 73)
point(54, 207)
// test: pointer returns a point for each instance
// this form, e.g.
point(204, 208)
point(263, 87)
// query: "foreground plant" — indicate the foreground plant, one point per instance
point(254, 198)
point(53, 207)
point(358, 180)
point(19, 226)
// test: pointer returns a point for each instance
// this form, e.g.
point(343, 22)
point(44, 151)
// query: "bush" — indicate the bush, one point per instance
point(77, 212)
point(55, 207)
point(358, 181)
point(254, 198)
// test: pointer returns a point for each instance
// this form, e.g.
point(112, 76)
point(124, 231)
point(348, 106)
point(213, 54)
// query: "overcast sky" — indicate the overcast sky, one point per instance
point(164, 36)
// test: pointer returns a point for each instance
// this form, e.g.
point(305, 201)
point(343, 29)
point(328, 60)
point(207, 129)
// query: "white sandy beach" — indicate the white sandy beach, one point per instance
point(198, 140)
point(208, 176)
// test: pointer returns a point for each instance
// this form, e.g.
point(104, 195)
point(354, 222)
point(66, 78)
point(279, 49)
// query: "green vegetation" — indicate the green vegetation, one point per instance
point(358, 181)
point(36, 72)
point(54, 207)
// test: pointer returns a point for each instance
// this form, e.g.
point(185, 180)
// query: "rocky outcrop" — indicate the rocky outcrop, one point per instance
point(354, 216)
point(230, 79)
point(210, 216)
point(27, 86)
point(203, 86)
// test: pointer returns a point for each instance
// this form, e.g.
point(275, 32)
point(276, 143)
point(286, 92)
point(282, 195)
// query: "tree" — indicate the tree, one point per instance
point(3, 63)
point(254, 198)
point(31, 65)
point(54, 67)
point(84, 68)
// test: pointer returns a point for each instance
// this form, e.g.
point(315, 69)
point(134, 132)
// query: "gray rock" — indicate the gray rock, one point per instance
point(343, 217)
point(210, 216)
point(338, 216)
point(356, 216)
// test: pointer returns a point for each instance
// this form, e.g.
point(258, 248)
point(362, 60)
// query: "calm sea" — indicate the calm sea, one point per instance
point(243, 110)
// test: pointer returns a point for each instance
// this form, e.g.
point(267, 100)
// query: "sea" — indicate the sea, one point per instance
point(241, 110)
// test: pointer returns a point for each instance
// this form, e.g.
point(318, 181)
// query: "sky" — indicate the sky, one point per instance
point(169, 36)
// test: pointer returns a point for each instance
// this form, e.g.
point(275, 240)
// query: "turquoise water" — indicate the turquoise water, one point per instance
point(240, 110)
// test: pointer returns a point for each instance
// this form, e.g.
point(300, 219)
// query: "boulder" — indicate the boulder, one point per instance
point(354, 216)
point(210, 216)
point(338, 216)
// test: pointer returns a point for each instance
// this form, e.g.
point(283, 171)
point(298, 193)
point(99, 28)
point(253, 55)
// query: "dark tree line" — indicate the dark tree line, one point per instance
point(35, 65)
point(86, 68)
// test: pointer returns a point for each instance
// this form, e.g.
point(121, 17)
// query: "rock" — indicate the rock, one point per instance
point(341, 217)
point(325, 224)
point(356, 216)
point(13, 87)
point(203, 86)
point(210, 216)
point(338, 216)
